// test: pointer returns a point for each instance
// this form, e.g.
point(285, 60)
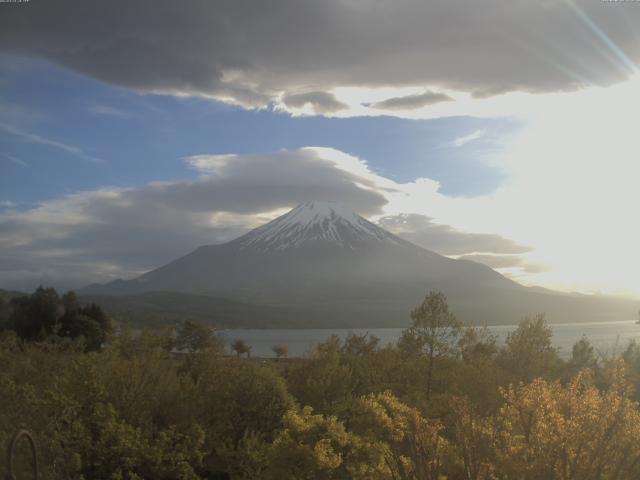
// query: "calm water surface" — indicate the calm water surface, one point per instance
point(606, 336)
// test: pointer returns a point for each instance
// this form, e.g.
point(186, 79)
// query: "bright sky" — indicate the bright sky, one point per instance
point(521, 154)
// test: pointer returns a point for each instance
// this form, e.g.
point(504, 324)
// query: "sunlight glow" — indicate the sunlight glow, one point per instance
point(572, 194)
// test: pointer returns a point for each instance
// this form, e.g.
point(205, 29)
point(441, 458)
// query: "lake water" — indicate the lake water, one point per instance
point(605, 336)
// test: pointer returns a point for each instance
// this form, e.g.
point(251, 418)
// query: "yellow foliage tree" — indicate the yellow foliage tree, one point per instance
point(318, 447)
point(410, 444)
point(569, 432)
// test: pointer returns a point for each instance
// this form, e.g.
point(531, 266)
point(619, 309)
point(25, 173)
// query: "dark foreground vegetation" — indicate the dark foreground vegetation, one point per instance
point(445, 402)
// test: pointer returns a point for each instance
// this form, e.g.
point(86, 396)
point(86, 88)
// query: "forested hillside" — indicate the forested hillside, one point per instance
point(444, 402)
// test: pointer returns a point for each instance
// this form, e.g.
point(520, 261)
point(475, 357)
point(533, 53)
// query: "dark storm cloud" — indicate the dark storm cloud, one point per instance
point(446, 240)
point(251, 52)
point(104, 234)
point(412, 101)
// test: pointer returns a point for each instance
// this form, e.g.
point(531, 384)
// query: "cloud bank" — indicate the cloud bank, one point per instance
point(109, 233)
point(251, 53)
point(121, 232)
point(446, 240)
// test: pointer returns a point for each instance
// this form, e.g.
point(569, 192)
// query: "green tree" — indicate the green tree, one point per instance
point(87, 322)
point(36, 316)
point(196, 337)
point(477, 344)
point(44, 314)
point(88, 330)
point(5, 314)
point(96, 313)
point(472, 439)
point(583, 355)
point(360, 345)
point(239, 404)
point(241, 347)
point(476, 375)
point(528, 351)
point(433, 333)
point(280, 350)
point(324, 380)
point(631, 355)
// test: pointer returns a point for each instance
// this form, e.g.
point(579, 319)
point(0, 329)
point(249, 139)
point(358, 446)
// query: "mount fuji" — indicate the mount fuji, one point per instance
point(323, 265)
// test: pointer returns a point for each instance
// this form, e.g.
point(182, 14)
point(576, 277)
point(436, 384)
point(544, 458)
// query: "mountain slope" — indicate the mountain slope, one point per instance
point(322, 260)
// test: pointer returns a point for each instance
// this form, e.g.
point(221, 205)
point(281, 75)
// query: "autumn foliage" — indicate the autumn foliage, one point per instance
point(434, 406)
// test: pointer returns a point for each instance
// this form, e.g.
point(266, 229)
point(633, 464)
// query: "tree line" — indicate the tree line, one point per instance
point(45, 315)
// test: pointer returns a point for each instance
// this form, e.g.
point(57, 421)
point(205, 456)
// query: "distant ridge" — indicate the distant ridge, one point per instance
point(321, 260)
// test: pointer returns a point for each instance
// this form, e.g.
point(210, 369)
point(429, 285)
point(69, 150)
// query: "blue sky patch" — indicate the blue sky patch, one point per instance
point(61, 132)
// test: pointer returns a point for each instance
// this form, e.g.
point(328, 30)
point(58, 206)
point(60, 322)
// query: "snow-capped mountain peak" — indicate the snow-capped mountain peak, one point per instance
point(316, 222)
